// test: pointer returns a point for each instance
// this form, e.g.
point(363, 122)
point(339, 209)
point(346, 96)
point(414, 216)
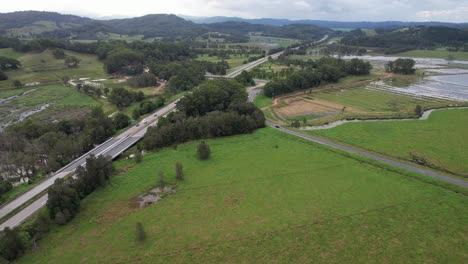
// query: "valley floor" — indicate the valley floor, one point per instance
point(265, 197)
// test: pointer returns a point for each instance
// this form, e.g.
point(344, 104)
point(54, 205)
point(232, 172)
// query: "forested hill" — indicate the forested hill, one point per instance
point(409, 38)
point(296, 31)
point(160, 25)
point(33, 24)
point(323, 23)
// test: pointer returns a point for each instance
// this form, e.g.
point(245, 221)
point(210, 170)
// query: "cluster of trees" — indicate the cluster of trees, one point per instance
point(419, 37)
point(143, 80)
point(401, 66)
point(63, 204)
point(182, 75)
point(91, 90)
point(326, 69)
point(147, 107)
point(214, 109)
point(5, 186)
point(228, 51)
point(59, 54)
point(7, 64)
point(340, 49)
point(30, 149)
point(122, 97)
point(245, 78)
point(218, 68)
point(65, 195)
point(121, 120)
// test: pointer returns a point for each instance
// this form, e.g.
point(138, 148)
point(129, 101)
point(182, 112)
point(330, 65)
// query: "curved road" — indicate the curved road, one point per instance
point(254, 93)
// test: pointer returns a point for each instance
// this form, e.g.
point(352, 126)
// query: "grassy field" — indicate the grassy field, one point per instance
point(234, 61)
point(262, 101)
point(438, 54)
point(10, 53)
point(441, 139)
point(254, 202)
point(44, 68)
point(65, 102)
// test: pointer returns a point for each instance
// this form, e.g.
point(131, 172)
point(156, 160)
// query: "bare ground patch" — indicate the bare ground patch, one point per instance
point(299, 106)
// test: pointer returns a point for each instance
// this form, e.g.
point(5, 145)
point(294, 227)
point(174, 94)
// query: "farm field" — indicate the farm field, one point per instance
point(268, 197)
point(440, 140)
point(437, 54)
point(350, 98)
point(10, 53)
point(44, 68)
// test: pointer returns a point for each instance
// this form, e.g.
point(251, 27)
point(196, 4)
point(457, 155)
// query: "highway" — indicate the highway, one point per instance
point(111, 148)
point(254, 64)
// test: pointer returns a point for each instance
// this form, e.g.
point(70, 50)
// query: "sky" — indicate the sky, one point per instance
point(339, 10)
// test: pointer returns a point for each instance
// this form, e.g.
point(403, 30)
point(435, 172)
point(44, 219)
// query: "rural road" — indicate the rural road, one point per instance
point(111, 148)
point(372, 156)
point(254, 92)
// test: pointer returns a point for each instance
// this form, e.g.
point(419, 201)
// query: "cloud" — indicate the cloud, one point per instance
point(341, 10)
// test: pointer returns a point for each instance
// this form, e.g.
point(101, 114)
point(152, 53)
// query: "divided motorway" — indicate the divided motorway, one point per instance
point(254, 64)
point(111, 148)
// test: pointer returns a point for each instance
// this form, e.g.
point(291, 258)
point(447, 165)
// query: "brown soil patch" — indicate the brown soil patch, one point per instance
point(297, 106)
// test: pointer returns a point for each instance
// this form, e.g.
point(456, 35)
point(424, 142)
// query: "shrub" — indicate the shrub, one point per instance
point(138, 157)
point(140, 232)
point(162, 180)
point(179, 171)
point(203, 151)
point(3, 76)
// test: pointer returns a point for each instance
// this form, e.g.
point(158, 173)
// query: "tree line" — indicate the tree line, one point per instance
point(214, 109)
point(31, 149)
point(411, 38)
point(63, 204)
point(314, 73)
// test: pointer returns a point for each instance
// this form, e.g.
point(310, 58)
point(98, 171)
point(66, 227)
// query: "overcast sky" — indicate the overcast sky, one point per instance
point(341, 10)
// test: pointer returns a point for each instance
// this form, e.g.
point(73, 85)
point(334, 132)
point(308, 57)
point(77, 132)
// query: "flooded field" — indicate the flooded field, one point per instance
point(12, 111)
point(442, 82)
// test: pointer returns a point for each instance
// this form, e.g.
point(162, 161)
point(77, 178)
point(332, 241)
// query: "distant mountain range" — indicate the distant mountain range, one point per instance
point(33, 24)
point(321, 23)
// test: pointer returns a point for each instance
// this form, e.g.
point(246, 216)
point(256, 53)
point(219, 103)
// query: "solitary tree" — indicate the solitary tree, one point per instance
point(418, 110)
point(179, 171)
point(203, 151)
point(3, 76)
point(72, 62)
point(17, 84)
point(138, 156)
point(140, 232)
point(162, 179)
